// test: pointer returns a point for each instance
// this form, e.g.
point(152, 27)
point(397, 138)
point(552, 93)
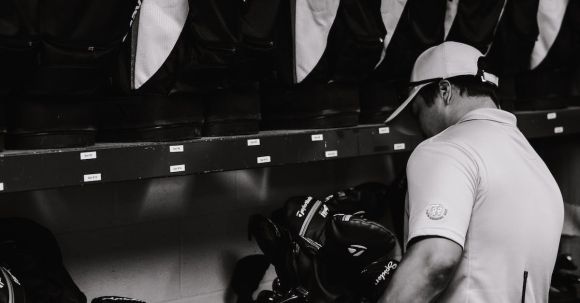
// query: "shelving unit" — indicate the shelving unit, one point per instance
point(31, 170)
point(547, 123)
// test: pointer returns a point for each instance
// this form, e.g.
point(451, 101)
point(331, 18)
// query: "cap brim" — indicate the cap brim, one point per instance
point(410, 98)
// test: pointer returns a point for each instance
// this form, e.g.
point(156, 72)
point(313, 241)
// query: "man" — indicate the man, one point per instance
point(484, 213)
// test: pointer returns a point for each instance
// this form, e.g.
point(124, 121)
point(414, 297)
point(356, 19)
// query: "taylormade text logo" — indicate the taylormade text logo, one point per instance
point(302, 210)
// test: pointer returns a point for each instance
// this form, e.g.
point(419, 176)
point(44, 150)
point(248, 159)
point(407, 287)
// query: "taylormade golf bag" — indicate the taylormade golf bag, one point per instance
point(326, 250)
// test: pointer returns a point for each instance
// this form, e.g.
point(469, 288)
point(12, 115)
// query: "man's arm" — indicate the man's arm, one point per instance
point(425, 271)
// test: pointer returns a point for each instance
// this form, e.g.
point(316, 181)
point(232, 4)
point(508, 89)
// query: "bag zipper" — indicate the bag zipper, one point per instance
point(312, 243)
point(309, 217)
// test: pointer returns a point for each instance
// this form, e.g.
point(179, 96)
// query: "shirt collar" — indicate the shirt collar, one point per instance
point(491, 114)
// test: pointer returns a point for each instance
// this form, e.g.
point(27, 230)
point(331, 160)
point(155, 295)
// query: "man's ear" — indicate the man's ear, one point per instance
point(445, 91)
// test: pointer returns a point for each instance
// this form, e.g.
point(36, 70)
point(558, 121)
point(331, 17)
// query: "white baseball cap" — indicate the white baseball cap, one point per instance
point(443, 61)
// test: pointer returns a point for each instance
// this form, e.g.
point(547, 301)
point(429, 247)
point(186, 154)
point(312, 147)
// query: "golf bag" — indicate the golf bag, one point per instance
point(412, 26)
point(32, 266)
point(327, 250)
point(66, 51)
point(326, 48)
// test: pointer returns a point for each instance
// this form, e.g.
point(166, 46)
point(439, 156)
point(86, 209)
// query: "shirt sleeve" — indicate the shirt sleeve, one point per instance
point(442, 184)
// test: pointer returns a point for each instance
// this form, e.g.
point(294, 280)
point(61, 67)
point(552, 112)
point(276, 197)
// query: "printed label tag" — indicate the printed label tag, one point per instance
point(551, 116)
point(177, 168)
point(264, 159)
point(317, 137)
point(399, 146)
point(92, 177)
point(253, 142)
point(176, 148)
point(331, 153)
point(558, 129)
point(88, 155)
point(384, 130)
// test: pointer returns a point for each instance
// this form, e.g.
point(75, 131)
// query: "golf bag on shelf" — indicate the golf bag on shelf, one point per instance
point(511, 49)
point(535, 54)
point(412, 26)
point(148, 104)
point(191, 69)
point(327, 47)
point(17, 51)
point(233, 50)
point(550, 82)
point(473, 22)
point(70, 48)
point(327, 250)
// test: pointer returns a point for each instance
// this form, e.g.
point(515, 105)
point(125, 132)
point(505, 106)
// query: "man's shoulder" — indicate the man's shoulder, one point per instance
point(468, 131)
point(437, 150)
point(470, 136)
point(451, 139)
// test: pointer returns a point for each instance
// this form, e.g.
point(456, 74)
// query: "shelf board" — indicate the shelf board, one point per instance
point(549, 123)
point(42, 169)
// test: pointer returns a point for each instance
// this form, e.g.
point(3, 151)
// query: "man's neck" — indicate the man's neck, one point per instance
point(467, 105)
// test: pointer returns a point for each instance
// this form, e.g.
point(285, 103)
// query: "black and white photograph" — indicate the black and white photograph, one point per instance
point(289, 151)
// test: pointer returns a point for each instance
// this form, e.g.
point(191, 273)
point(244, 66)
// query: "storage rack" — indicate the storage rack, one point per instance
point(32, 170)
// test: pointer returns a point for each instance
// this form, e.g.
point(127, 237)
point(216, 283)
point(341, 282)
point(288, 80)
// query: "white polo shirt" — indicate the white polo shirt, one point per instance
point(479, 183)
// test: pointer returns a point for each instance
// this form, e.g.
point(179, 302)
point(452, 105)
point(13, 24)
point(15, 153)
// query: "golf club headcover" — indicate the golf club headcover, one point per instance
point(352, 246)
point(305, 217)
point(375, 278)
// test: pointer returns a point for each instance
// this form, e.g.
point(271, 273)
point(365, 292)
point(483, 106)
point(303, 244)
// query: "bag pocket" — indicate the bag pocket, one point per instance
point(73, 70)
point(17, 61)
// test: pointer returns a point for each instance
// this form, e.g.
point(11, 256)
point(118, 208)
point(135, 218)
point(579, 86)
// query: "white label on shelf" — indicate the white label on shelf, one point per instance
point(176, 168)
point(176, 148)
point(253, 142)
point(384, 130)
point(89, 155)
point(1, 186)
point(551, 116)
point(399, 146)
point(264, 159)
point(558, 129)
point(331, 153)
point(92, 177)
point(317, 137)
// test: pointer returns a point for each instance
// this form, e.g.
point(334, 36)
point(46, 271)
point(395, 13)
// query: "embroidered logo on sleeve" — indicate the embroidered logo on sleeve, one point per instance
point(436, 211)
